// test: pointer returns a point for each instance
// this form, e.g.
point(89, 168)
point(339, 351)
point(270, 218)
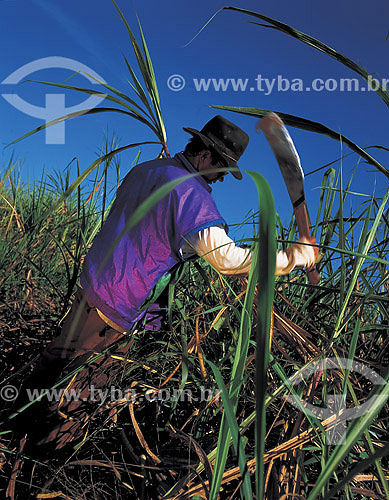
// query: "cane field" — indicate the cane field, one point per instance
point(259, 388)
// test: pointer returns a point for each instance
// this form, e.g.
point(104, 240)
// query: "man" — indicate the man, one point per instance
point(124, 264)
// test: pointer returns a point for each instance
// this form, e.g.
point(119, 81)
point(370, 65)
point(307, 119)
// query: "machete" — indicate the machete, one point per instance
point(289, 162)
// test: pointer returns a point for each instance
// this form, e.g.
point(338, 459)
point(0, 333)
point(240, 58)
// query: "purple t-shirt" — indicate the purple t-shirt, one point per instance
point(119, 284)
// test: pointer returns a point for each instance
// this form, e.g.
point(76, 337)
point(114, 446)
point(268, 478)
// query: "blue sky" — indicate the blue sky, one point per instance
point(92, 33)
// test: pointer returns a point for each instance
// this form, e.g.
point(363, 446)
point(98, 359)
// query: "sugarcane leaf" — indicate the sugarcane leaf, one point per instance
point(101, 94)
point(310, 125)
point(153, 83)
point(82, 113)
point(379, 396)
point(138, 53)
point(365, 242)
point(229, 411)
point(148, 75)
point(318, 45)
point(138, 88)
point(266, 269)
point(359, 467)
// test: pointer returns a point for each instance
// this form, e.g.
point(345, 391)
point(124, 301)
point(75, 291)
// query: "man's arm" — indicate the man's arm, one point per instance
point(217, 248)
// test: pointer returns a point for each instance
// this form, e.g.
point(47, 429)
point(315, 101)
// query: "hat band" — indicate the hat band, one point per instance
point(230, 157)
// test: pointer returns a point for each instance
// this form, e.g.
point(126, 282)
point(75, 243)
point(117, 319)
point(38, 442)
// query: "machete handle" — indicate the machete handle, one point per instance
point(301, 216)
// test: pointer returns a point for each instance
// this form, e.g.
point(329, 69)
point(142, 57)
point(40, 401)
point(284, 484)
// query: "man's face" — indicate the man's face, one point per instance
point(208, 163)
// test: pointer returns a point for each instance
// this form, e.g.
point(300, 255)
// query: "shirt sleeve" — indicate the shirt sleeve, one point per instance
point(219, 250)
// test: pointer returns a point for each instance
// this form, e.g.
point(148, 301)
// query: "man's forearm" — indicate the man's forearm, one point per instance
point(218, 249)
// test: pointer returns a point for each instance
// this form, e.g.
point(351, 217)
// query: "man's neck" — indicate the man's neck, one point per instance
point(188, 161)
point(192, 160)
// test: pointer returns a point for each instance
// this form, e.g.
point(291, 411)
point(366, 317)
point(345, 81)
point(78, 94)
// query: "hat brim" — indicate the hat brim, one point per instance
point(231, 163)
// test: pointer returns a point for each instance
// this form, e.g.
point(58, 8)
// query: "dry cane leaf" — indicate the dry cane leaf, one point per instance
point(54, 494)
point(273, 454)
point(10, 493)
point(140, 435)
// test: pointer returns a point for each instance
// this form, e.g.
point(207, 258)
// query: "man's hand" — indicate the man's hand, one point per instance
point(302, 254)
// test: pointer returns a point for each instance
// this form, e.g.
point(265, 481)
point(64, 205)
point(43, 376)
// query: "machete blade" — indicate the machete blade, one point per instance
point(292, 172)
point(286, 155)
